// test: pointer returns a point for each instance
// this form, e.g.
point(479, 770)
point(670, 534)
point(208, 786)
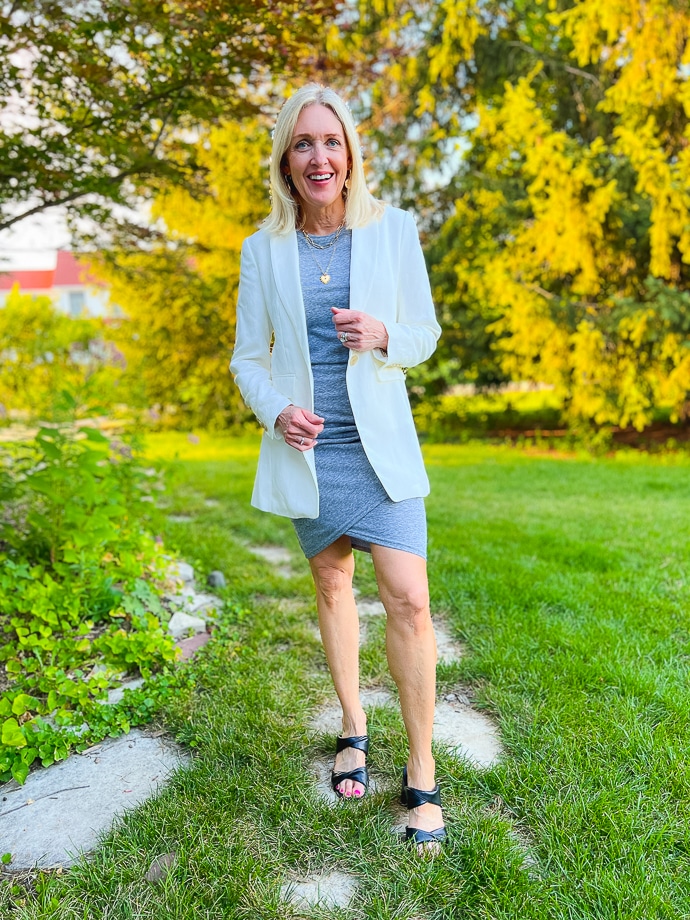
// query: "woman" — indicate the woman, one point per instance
point(334, 303)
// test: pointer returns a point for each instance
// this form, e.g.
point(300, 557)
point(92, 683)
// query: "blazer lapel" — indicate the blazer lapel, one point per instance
point(285, 263)
point(365, 241)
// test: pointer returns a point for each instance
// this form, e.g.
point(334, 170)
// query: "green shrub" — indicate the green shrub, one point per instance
point(80, 586)
point(456, 418)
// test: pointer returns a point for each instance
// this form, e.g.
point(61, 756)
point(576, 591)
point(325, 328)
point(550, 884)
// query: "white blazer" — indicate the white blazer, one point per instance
point(272, 368)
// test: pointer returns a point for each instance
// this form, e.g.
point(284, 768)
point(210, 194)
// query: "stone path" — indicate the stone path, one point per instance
point(62, 810)
point(277, 556)
point(465, 732)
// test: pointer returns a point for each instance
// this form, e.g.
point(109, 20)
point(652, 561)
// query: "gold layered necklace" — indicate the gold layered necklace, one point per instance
point(312, 244)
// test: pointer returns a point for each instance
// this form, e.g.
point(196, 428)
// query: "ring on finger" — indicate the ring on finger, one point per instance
point(342, 336)
point(301, 441)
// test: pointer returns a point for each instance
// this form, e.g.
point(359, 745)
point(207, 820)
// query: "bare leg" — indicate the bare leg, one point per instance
point(411, 649)
point(332, 570)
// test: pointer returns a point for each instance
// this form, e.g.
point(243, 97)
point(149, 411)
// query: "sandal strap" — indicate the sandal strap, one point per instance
point(359, 775)
point(417, 835)
point(360, 742)
point(413, 798)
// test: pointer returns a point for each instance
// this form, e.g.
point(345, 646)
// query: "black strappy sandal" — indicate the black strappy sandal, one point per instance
point(360, 774)
point(413, 798)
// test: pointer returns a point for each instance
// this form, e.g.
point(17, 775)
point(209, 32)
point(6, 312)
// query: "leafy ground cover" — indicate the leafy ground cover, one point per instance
point(81, 579)
point(567, 581)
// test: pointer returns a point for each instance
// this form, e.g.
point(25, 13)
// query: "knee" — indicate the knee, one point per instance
point(332, 583)
point(410, 608)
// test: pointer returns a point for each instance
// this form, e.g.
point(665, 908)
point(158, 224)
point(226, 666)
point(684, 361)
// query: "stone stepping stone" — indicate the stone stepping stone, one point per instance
point(116, 695)
point(321, 771)
point(61, 811)
point(530, 862)
point(328, 721)
point(194, 602)
point(182, 570)
point(181, 624)
point(467, 733)
point(521, 837)
point(160, 868)
point(448, 648)
point(277, 556)
point(370, 608)
point(189, 647)
point(399, 815)
point(192, 608)
point(331, 889)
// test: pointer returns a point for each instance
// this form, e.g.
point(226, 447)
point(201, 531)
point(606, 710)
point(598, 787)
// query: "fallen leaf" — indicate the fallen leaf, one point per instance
point(160, 867)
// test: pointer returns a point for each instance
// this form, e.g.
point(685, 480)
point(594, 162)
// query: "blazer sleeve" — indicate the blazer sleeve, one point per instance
point(413, 337)
point(251, 357)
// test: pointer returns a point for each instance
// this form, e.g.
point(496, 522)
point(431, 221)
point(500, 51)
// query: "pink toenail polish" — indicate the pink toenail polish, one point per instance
point(357, 792)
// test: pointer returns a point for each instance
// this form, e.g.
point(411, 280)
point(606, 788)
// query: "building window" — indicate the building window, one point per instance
point(77, 303)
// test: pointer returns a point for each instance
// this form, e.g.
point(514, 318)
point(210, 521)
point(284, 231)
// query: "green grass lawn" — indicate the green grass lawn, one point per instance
point(567, 580)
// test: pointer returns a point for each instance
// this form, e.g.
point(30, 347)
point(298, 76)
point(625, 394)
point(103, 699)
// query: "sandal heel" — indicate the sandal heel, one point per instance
point(413, 798)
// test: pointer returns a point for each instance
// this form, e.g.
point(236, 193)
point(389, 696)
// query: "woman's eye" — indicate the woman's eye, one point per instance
point(301, 145)
point(334, 142)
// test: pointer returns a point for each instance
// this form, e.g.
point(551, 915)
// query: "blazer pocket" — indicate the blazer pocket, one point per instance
point(284, 384)
point(391, 373)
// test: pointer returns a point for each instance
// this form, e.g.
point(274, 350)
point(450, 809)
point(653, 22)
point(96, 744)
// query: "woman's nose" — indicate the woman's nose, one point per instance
point(319, 153)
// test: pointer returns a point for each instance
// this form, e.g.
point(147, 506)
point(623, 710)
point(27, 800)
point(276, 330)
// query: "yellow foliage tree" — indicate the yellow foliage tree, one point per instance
point(546, 146)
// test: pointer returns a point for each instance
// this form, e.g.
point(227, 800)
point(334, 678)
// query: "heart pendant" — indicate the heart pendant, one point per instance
point(325, 278)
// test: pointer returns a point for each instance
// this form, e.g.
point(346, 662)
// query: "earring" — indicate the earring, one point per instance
point(288, 181)
point(347, 179)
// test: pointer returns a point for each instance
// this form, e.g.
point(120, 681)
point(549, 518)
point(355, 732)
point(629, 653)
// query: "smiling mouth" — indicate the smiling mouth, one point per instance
point(320, 177)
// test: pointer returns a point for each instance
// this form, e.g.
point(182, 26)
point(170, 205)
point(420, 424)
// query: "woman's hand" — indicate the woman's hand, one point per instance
point(300, 427)
point(359, 331)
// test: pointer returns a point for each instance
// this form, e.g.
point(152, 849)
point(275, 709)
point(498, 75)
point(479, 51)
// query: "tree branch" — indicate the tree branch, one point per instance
point(47, 205)
point(164, 123)
point(576, 71)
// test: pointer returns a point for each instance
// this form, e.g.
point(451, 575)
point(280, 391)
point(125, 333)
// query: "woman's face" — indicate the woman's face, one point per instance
point(318, 158)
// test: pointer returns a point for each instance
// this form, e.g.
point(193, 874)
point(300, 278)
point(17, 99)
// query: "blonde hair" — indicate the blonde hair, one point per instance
point(360, 205)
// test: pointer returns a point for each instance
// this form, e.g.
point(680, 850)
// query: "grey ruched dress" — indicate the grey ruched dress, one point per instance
point(352, 501)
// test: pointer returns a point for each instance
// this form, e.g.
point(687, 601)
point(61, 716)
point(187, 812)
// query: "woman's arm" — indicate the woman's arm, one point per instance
point(251, 358)
point(412, 338)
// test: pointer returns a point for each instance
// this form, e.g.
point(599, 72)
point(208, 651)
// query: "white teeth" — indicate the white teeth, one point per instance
point(318, 176)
